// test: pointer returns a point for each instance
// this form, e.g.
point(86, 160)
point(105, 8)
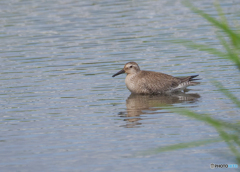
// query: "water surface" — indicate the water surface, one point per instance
point(62, 111)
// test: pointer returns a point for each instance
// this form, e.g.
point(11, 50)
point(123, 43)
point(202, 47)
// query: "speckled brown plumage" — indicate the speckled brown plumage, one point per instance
point(148, 82)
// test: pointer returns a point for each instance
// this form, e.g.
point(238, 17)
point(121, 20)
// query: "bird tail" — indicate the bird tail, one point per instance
point(191, 78)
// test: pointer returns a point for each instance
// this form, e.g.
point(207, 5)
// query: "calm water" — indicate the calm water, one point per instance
point(62, 111)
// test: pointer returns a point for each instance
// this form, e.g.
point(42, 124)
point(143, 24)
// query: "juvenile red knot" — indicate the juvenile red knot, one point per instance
point(148, 82)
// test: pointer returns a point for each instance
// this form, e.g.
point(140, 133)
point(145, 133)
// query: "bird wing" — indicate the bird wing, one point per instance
point(189, 78)
point(157, 82)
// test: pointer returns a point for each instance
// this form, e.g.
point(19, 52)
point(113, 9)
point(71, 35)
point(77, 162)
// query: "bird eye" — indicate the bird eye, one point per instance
point(130, 66)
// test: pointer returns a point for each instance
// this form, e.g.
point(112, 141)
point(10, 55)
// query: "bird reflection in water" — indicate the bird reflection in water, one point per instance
point(138, 105)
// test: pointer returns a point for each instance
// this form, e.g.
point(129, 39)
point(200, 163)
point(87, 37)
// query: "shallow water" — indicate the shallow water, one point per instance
point(62, 111)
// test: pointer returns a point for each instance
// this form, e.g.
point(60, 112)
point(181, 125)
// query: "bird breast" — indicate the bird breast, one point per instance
point(129, 81)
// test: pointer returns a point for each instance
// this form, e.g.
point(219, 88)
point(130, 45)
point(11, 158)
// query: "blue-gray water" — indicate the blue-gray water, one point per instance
point(62, 111)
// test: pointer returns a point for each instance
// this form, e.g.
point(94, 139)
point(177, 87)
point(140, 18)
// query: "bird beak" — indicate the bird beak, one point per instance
point(118, 73)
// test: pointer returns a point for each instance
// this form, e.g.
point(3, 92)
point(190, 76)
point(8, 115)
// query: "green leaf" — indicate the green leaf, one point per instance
point(227, 93)
point(235, 38)
point(181, 146)
point(201, 47)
